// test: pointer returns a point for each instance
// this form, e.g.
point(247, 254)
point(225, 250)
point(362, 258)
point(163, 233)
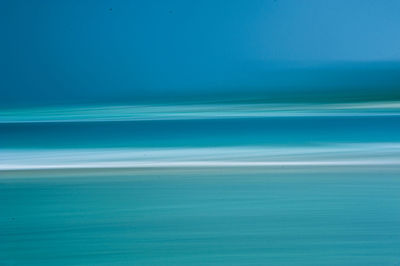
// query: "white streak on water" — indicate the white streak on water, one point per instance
point(195, 111)
point(351, 154)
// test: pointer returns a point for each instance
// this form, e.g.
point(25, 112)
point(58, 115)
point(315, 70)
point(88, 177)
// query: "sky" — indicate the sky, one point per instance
point(85, 52)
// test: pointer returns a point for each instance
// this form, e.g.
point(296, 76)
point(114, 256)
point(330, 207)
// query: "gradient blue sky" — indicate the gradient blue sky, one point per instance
point(82, 51)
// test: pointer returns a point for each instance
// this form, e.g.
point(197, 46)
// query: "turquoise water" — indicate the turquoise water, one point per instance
point(200, 132)
point(273, 131)
point(308, 190)
point(220, 217)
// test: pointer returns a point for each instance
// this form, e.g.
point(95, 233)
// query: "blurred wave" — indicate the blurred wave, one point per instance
point(195, 111)
point(353, 154)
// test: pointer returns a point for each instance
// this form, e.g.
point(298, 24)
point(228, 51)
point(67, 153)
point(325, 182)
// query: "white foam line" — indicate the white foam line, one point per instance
point(349, 154)
point(190, 164)
point(201, 117)
point(197, 111)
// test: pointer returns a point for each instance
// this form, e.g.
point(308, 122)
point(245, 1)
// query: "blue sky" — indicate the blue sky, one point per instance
point(87, 51)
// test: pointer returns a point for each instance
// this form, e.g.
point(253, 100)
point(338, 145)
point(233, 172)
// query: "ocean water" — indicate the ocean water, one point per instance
point(200, 132)
point(275, 189)
point(196, 218)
